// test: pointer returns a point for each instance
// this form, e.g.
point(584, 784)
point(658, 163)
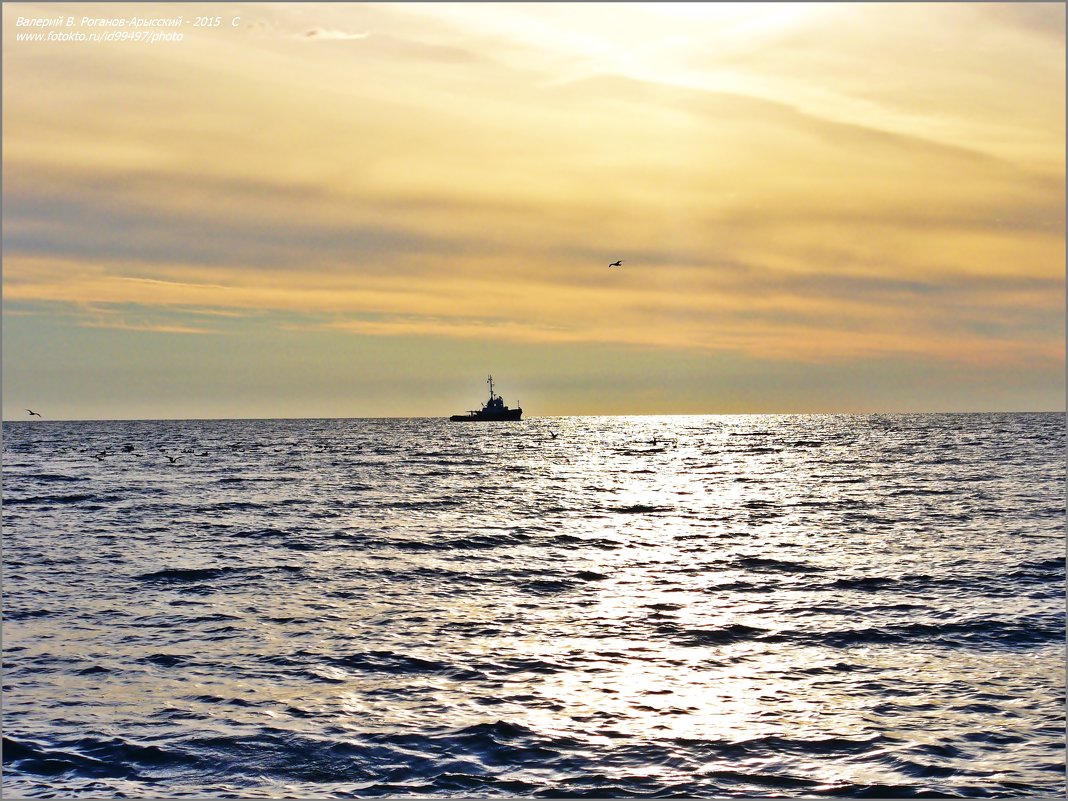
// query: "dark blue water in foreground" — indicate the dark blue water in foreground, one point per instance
point(769, 605)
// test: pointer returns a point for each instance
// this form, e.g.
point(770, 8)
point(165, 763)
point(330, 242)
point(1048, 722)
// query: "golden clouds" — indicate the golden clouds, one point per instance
point(812, 183)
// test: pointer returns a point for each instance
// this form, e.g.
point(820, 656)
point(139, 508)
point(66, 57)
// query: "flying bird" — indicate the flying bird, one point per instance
point(173, 459)
point(33, 413)
point(616, 263)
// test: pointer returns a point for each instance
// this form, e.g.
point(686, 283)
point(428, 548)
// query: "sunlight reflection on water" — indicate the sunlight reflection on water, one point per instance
point(697, 605)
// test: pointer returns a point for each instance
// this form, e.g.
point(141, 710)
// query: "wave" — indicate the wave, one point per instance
point(1026, 632)
point(59, 477)
point(725, 635)
point(920, 491)
point(394, 663)
point(601, 543)
point(639, 508)
point(1043, 572)
point(182, 575)
point(165, 660)
point(28, 614)
point(93, 757)
point(547, 586)
point(436, 503)
point(762, 564)
point(1039, 571)
point(72, 498)
point(739, 586)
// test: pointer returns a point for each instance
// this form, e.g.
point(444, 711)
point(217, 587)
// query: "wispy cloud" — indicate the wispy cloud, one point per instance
point(328, 34)
point(156, 328)
point(176, 284)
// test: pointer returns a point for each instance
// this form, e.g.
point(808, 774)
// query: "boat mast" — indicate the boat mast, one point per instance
point(490, 381)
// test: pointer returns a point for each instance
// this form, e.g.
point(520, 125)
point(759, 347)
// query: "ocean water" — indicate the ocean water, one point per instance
point(774, 606)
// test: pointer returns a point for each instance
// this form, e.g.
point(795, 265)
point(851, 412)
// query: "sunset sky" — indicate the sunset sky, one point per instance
point(350, 210)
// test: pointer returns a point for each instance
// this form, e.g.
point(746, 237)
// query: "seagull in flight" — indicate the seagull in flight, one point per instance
point(616, 263)
point(33, 413)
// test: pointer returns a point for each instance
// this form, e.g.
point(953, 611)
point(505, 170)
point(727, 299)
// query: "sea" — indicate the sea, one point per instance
point(769, 606)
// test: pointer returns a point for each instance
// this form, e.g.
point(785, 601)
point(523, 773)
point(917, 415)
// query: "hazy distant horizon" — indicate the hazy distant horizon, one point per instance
point(526, 418)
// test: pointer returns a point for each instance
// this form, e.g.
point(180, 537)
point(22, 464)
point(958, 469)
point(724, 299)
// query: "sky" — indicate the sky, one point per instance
point(362, 210)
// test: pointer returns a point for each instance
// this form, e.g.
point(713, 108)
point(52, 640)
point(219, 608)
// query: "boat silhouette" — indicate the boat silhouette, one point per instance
point(491, 411)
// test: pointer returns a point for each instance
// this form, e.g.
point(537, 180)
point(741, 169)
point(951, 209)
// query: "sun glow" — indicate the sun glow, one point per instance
point(734, 18)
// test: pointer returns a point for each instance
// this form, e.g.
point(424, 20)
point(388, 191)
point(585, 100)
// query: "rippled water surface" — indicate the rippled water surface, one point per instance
point(679, 606)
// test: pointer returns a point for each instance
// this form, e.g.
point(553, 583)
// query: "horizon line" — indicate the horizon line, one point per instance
point(5, 421)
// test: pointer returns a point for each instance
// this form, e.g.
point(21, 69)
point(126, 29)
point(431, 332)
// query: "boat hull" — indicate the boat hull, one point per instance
point(482, 417)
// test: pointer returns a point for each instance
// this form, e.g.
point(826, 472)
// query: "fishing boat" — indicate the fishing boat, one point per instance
point(491, 411)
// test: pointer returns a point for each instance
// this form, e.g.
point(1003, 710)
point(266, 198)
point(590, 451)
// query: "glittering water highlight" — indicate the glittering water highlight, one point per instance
point(639, 606)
